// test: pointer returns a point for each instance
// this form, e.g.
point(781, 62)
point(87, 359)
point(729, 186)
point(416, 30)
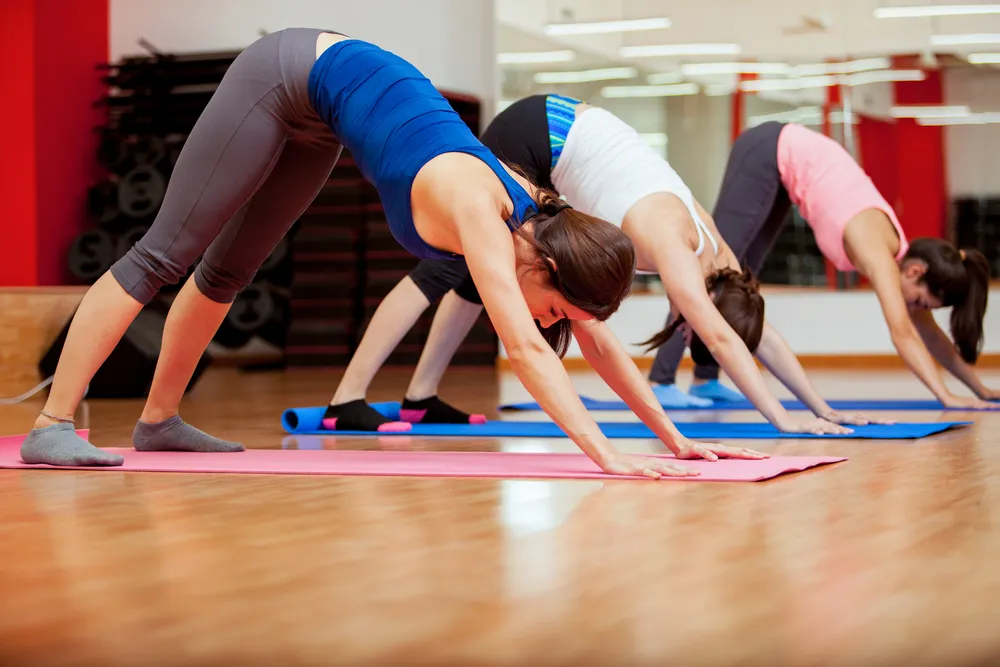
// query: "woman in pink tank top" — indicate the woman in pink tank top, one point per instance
point(775, 165)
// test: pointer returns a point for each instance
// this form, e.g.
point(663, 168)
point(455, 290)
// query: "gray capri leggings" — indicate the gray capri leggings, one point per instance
point(255, 160)
point(752, 208)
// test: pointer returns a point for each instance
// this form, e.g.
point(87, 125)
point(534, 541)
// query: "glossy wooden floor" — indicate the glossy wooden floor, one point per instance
point(889, 559)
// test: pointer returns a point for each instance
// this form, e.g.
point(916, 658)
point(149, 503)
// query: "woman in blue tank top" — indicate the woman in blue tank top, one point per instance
point(262, 150)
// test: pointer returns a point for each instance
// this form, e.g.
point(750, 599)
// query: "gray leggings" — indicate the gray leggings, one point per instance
point(255, 160)
point(752, 208)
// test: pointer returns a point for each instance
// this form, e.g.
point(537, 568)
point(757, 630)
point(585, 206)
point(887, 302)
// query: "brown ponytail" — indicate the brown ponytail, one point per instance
point(960, 279)
point(737, 296)
point(588, 260)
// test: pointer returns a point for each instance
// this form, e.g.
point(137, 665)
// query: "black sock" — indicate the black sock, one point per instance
point(435, 411)
point(358, 416)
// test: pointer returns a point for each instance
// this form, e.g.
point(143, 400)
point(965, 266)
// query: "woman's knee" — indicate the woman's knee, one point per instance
point(218, 283)
point(142, 274)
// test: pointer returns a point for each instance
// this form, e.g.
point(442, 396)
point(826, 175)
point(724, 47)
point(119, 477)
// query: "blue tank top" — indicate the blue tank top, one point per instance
point(394, 121)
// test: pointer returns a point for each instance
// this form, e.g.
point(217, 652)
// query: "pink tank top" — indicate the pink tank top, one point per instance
point(830, 189)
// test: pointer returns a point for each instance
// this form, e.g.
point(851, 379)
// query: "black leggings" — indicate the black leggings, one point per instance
point(752, 208)
point(435, 277)
point(255, 160)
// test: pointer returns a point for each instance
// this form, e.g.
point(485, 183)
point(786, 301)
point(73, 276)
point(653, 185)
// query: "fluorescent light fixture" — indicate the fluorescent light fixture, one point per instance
point(850, 67)
point(959, 40)
point(535, 57)
point(665, 77)
point(803, 116)
point(929, 111)
point(719, 89)
point(972, 119)
point(984, 58)
point(710, 69)
point(669, 90)
point(674, 50)
point(917, 11)
point(884, 76)
point(586, 76)
point(789, 84)
point(604, 27)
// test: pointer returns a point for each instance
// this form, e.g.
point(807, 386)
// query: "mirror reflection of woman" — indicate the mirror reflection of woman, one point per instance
point(774, 165)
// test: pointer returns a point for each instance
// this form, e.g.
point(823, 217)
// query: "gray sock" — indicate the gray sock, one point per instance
point(174, 435)
point(59, 445)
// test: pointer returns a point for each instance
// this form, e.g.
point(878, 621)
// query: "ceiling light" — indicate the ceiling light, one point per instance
point(850, 67)
point(670, 90)
point(665, 77)
point(929, 111)
point(971, 119)
point(709, 69)
point(604, 27)
point(788, 84)
point(668, 50)
point(984, 58)
point(535, 57)
point(884, 76)
point(934, 10)
point(958, 40)
point(586, 76)
point(719, 89)
point(803, 116)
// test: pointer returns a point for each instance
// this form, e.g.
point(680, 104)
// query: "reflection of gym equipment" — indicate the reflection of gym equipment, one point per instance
point(794, 259)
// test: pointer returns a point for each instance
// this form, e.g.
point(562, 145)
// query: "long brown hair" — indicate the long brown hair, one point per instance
point(737, 296)
point(960, 279)
point(588, 260)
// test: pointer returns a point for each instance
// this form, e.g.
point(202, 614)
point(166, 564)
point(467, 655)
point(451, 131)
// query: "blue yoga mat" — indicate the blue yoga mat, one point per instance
point(306, 421)
point(873, 404)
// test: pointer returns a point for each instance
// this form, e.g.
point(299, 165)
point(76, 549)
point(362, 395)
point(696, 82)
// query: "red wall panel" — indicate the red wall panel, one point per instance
point(49, 50)
point(18, 239)
point(71, 40)
point(920, 154)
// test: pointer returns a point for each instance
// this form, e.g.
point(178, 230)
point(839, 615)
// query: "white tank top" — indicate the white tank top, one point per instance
point(606, 168)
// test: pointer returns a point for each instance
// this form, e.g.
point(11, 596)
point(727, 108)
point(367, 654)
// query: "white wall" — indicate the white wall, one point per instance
point(814, 323)
point(451, 41)
point(698, 142)
point(973, 151)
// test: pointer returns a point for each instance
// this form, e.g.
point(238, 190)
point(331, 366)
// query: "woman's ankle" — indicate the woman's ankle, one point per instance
point(48, 418)
point(156, 415)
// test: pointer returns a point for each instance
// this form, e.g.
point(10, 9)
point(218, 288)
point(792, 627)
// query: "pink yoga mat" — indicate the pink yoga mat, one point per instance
point(414, 464)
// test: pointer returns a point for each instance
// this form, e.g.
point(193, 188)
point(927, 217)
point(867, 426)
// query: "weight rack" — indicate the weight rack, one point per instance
point(315, 294)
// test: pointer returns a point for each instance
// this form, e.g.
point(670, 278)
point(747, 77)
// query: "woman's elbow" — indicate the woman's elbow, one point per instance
point(723, 343)
point(525, 350)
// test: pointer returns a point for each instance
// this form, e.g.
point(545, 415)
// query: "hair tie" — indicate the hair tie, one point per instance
point(547, 209)
point(552, 210)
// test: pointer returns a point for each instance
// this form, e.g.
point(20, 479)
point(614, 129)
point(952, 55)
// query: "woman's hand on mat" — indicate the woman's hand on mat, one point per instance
point(816, 426)
point(854, 418)
point(967, 402)
point(645, 466)
point(689, 449)
point(988, 394)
